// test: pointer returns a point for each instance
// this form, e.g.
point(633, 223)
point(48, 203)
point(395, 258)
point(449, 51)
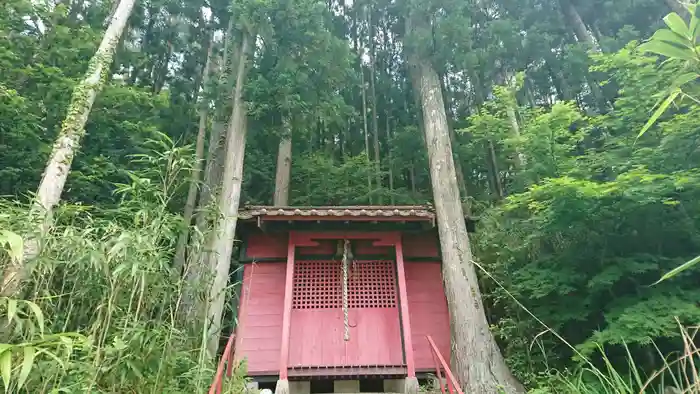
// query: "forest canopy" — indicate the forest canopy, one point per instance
point(583, 203)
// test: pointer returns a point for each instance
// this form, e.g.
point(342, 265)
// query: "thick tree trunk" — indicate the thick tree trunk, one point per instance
point(477, 360)
point(193, 306)
point(284, 166)
point(461, 181)
point(229, 200)
point(180, 248)
point(217, 138)
point(72, 130)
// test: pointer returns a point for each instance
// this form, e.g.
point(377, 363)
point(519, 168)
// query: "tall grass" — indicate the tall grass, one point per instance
point(100, 311)
point(677, 375)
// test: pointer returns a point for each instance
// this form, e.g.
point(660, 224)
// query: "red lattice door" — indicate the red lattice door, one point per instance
point(317, 326)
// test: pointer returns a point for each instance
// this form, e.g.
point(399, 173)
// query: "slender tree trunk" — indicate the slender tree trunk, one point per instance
point(477, 360)
point(582, 34)
point(391, 162)
point(678, 8)
point(520, 158)
point(375, 115)
point(229, 200)
point(511, 112)
point(366, 130)
point(574, 20)
point(284, 166)
point(495, 174)
point(179, 261)
point(72, 130)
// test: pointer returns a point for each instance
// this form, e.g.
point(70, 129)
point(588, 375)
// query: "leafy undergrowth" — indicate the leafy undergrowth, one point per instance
point(680, 373)
point(103, 308)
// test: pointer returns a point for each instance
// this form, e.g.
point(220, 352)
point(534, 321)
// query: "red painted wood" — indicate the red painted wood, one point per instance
point(287, 309)
point(298, 218)
point(325, 247)
point(329, 247)
point(405, 320)
point(452, 383)
point(317, 324)
point(387, 238)
point(429, 314)
point(317, 338)
point(423, 244)
point(262, 245)
point(367, 247)
point(259, 329)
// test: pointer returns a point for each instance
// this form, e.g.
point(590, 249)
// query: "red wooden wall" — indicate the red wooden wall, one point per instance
point(262, 245)
point(428, 312)
point(259, 335)
point(261, 305)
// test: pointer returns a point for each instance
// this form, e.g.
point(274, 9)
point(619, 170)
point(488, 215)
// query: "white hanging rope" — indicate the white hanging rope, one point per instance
point(345, 265)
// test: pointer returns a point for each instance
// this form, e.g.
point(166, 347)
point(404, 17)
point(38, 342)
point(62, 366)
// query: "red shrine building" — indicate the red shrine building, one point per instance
point(340, 299)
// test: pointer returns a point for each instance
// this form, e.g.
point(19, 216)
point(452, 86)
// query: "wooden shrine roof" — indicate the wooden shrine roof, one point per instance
point(408, 212)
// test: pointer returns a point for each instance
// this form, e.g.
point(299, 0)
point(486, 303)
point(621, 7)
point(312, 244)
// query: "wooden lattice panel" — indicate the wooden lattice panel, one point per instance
point(318, 284)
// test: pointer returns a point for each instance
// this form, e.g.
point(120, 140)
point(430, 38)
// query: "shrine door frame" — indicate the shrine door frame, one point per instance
point(381, 239)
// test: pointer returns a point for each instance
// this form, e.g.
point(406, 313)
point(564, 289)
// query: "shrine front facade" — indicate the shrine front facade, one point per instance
point(340, 292)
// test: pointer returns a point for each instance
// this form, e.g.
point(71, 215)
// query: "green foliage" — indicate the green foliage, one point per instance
point(594, 215)
point(677, 43)
point(106, 275)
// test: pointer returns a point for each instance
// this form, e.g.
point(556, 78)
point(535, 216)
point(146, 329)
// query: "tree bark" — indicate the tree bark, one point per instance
point(511, 112)
point(461, 181)
point(192, 305)
point(576, 23)
point(72, 130)
point(375, 115)
point(678, 8)
point(366, 131)
point(229, 200)
point(284, 166)
point(180, 248)
point(495, 175)
point(391, 161)
point(583, 35)
point(477, 360)
point(217, 138)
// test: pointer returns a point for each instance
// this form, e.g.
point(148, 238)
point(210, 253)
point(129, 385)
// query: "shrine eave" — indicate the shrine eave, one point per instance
point(400, 213)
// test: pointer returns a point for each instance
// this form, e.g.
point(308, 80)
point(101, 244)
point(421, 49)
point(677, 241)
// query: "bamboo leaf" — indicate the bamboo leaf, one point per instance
point(671, 37)
point(38, 315)
point(659, 111)
point(27, 364)
point(687, 265)
point(677, 24)
point(666, 49)
point(53, 356)
point(11, 309)
point(694, 22)
point(6, 367)
point(14, 243)
point(684, 78)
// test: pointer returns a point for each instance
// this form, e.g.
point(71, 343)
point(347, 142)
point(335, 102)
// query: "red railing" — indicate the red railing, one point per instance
point(227, 362)
point(440, 366)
